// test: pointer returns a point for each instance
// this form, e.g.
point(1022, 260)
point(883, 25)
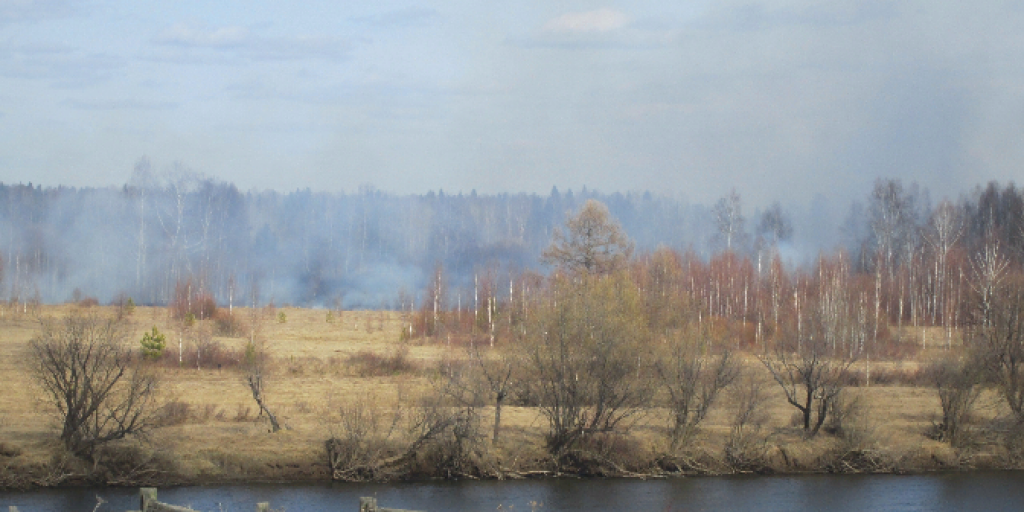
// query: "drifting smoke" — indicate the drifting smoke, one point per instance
point(315, 249)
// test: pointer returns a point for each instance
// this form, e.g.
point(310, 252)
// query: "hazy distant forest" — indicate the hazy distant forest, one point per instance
point(367, 249)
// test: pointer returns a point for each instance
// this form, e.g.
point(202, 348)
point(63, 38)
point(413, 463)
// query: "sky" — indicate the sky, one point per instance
point(781, 100)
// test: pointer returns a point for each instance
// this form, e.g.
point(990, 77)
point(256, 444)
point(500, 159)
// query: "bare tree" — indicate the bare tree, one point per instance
point(363, 439)
point(482, 373)
point(810, 368)
point(100, 391)
point(746, 448)
point(774, 226)
point(256, 362)
point(593, 242)
point(989, 268)
point(943, 234)
point(728, 213)
point(998, 344)
point(891, 218)
point(693, 378)
point(957, 382)
point(141, 180)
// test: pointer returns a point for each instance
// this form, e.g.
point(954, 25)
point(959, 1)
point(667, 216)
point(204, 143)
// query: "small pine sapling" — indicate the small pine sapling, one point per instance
point(153, 344)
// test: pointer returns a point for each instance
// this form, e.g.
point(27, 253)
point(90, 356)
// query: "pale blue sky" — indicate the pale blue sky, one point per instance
point(781, 100)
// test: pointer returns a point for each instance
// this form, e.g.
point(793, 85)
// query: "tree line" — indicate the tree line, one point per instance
point(360, 249)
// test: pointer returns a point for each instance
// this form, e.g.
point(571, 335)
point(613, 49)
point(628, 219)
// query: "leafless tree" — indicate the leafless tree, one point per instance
point(593, 242)
point(141, 181)
point(363, 440)
point(811, 368)
point(371, 441)
point(99, 390)
point(957, 380)
point(480, 374)
point(774, 226)
point(998, 344)
point(989, 268)
point(746, 447)
point(728, 213)
point(256, 361)
point(944, 233)
point(693, 378)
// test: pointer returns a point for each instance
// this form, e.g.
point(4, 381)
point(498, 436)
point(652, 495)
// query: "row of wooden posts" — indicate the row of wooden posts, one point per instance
point(149, 503)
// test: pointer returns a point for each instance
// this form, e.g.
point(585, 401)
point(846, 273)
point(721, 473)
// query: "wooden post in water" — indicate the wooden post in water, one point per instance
point(147, 497)
point(149, 503)
point(370, 505)
point(367, 504)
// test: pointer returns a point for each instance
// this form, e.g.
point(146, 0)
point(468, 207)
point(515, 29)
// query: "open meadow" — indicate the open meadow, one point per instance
point(325, 365)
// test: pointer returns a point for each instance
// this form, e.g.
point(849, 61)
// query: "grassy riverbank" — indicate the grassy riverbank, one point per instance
point(209, 431)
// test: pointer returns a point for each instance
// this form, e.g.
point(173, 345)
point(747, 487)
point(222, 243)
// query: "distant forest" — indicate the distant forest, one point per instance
point(364, 249)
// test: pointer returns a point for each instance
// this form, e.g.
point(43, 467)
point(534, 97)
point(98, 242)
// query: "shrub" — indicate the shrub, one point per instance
point(208, 353)
point(372, 364)
point(281, 317)
point(605, 454)
point(124, 304)
point(229, 325)
point(190, 299)
point(174, 412)
point(9, 451)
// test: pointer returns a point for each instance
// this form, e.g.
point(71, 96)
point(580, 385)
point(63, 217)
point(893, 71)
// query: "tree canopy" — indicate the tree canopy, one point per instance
point(593, 242)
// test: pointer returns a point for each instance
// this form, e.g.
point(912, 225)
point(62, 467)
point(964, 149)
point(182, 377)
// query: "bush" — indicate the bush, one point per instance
point(174, 412)
point(605, 454)
point(213, 354)
point(7, 450)
point(372, 364)
point(886, 376)
point(362, 444)
point(228, 325)
point(190, 299)
point(451, 443)
point(124, 304)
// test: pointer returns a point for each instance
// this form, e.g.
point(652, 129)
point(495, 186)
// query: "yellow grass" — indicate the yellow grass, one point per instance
point(310, 380)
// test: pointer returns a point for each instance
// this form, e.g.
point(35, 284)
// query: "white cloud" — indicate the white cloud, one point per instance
point(601, 20)
point(119, 104)
point(61, 65)
point(187, 35)
point(239, 42)
point(399, 17)
point(12, 11)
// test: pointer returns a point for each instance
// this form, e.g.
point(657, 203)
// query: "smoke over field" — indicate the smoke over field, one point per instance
point(358, 250)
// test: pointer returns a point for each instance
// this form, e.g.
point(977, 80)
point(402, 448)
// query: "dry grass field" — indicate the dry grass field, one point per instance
point(218, 438)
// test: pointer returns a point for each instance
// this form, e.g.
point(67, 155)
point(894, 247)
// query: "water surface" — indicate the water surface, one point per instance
point(993, 491)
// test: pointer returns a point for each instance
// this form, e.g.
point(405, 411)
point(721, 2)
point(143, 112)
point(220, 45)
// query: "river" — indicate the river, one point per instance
point(990, 491)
